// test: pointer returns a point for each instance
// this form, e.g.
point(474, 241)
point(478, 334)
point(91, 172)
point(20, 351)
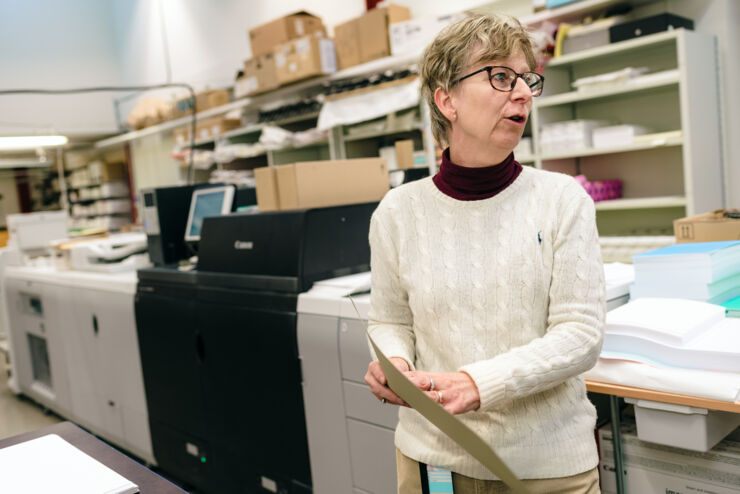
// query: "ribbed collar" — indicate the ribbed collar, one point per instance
point(471, 184)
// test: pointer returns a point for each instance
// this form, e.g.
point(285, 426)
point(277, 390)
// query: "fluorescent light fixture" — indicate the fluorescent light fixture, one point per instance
point(31, 142)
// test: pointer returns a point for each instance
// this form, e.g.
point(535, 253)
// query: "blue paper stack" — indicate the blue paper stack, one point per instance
point(704, 271)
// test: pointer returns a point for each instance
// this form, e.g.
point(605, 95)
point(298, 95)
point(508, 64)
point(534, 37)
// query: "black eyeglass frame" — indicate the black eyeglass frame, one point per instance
point(489, 69)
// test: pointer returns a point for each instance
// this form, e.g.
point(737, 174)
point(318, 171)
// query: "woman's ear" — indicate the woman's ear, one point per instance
point(444, 103)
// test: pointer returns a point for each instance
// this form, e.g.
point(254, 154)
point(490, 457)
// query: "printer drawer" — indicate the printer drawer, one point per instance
point(373, 457)
point(361, 404)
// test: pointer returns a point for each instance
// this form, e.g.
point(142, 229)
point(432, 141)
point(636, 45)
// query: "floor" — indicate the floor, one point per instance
point(18, 414)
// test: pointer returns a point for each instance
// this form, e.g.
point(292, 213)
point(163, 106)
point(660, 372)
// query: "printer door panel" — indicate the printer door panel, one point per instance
point(254, 390)
point(170, 347)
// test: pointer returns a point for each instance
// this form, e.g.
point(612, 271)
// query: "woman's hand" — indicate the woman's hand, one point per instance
point(455, 391)
point(379, 384)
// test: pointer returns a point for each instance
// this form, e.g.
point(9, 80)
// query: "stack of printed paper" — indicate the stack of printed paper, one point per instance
point(705, 271)
point(673, 333)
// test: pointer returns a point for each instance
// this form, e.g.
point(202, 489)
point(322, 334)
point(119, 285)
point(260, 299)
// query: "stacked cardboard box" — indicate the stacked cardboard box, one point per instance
point(722, 224)
point(267, 36)
point(366, 38)
point(204, 100)
point(273, 42)
point(314, 184)
point(205, 129)
point(304, 57)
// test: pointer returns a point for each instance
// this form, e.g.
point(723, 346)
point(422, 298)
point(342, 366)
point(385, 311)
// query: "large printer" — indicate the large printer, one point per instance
point(219, 351)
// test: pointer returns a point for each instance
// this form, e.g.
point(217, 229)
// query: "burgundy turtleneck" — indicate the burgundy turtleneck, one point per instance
point(472, 184)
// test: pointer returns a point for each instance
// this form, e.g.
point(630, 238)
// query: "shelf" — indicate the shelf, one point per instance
point(643, 83)
point(171, 124)
point(381, 133)
point(575, 11)
point(247, 129)
point(88, 201)
point(291, 90)
point(642, 203)
point(658, 142)
point(78, 216)
point(613, 48)
point(323, 142)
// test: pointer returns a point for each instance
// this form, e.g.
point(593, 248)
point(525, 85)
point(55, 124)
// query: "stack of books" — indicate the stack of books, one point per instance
point(704, 271)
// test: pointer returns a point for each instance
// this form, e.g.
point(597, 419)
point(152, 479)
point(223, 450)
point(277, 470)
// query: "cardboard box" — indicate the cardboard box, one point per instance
point(721, 224)
point(212, 127)
point(373, 31)
point(103, 172)
point(261, 74)
point(316, 184)
point(413, 35)
point(303, 58)
point(266, 188)
point(404, 153)
point(205, 100)
point(265, 37)
point(182, 135)
point(347, 41)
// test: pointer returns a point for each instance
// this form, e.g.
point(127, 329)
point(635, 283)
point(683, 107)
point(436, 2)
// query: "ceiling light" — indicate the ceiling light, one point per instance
point(31, 142)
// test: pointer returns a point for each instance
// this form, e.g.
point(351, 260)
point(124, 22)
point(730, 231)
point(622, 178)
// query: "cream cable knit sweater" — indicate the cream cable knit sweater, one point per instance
point(508, 289)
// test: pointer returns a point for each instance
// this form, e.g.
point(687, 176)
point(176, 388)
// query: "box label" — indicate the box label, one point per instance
point(303, 45)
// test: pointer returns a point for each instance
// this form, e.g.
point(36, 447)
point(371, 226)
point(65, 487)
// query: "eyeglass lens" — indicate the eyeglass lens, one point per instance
point(504, 79)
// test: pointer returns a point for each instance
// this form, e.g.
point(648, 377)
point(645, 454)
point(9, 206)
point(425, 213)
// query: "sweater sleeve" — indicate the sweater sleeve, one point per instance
point(390, 322)
point(574, 333)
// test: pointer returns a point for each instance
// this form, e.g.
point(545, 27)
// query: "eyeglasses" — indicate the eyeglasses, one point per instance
point(504, 79)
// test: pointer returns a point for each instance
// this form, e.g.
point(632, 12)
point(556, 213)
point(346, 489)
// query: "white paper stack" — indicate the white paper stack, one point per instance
point(705, 271)
point(49, 464)
point(673, 333)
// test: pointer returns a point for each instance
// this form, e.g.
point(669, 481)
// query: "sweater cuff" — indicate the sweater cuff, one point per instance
point(491, 385)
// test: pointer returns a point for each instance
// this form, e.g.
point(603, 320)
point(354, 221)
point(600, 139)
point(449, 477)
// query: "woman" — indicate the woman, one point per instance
point(487, 282)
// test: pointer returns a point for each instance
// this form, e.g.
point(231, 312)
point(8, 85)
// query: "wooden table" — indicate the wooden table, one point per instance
point(616, 391)
point(148, 481)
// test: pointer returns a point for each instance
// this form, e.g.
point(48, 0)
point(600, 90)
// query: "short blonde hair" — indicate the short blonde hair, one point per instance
point(467, 42)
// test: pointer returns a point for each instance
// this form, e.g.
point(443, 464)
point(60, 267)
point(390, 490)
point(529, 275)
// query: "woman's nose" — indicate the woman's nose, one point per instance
point(521, 90)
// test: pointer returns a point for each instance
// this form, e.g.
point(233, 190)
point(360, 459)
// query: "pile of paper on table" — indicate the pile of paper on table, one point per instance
point(673, 333)
point(705, 271)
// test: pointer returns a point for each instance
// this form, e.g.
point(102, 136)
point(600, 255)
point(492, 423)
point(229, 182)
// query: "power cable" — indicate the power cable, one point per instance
point(99, 89)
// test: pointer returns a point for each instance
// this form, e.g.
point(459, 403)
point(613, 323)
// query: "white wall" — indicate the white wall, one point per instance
point(52, 44)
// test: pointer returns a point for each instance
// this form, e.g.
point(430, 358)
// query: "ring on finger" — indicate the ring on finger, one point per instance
point(431, 385)
point(383, 401)
point(439, 397)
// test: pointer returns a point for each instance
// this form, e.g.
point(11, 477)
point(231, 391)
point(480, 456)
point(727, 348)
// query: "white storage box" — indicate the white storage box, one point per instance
point(617, 135)
point(36, 230)
point(697, 429)
point(610, 80)
point(412, 36)
point(568, 135)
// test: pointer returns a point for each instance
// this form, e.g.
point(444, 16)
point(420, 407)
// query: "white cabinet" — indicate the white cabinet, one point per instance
point(672, 172)
point(76, 351)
